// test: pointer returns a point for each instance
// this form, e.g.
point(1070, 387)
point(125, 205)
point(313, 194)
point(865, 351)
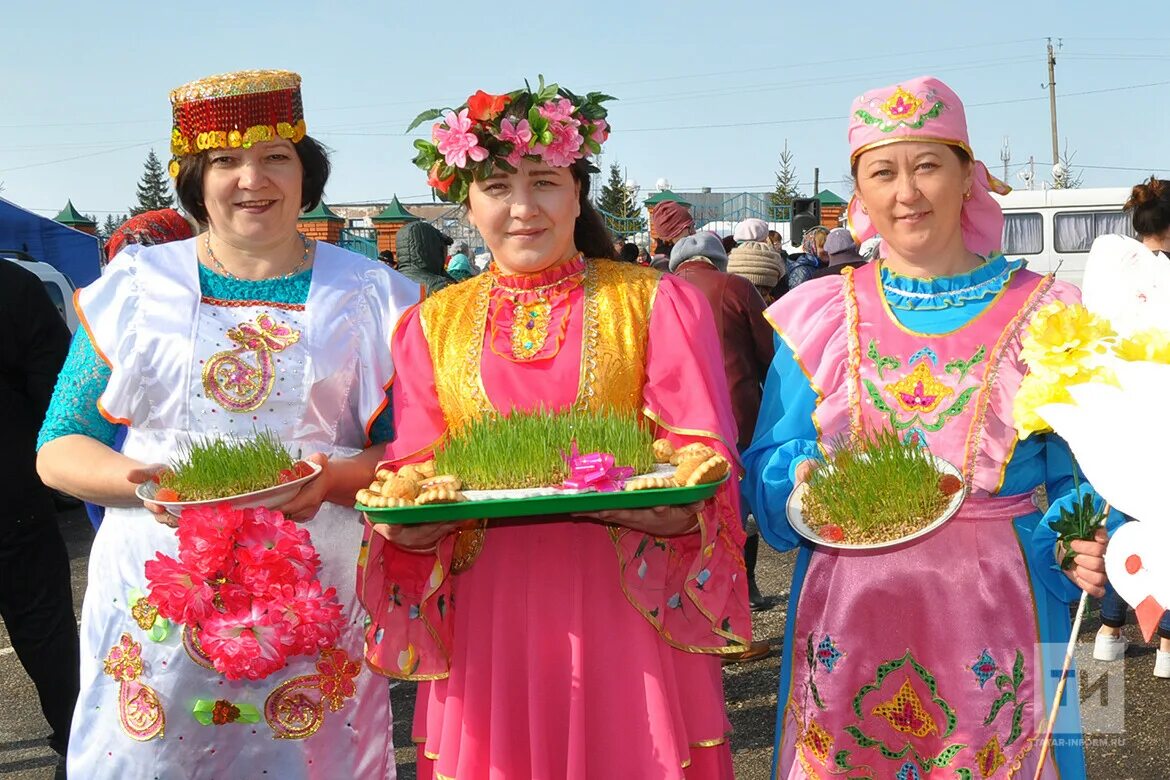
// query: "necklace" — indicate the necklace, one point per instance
point(219, 266)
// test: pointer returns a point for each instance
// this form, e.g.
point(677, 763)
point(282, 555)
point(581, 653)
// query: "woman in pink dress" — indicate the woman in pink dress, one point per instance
point(934, 657)
point(557, 647)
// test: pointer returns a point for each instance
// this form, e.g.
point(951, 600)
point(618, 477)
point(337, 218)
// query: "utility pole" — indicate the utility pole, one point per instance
point(1052, 98)
point(816, 181)
point(1005, 154)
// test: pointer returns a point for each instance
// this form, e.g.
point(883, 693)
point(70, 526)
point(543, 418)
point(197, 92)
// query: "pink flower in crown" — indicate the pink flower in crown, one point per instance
point(560, 110)
point(456, 142)
point(565, 148)
point(600, 131)
point(901, 104)
point(519, 135)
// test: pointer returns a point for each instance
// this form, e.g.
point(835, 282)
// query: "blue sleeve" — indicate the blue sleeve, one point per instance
point(74, 407)
point(382, 431)
point(1063, 490)
point(785, 437)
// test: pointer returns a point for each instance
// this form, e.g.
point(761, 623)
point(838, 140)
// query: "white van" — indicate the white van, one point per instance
point(1053, 229)
point(57, 285)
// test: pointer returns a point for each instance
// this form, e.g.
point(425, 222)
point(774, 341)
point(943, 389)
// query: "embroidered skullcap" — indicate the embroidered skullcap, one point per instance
point(925, 109)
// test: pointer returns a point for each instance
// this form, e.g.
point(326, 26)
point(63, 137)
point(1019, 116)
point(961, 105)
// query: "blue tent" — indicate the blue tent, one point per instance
point(73, 253)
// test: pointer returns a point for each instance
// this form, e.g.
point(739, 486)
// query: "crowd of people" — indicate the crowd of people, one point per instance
point(583, 646)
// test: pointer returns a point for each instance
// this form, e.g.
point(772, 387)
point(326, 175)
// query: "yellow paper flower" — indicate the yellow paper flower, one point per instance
point(1152, 345)
point(1035, 392)
point(1061, 340)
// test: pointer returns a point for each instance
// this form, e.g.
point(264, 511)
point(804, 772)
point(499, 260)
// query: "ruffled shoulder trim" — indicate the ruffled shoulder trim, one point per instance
point(940, 292)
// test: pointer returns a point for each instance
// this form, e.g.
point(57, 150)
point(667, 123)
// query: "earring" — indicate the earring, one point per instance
point(967, 195)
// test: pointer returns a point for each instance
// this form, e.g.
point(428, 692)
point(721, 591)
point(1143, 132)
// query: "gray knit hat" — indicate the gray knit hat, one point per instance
point(702, 244)
point(757, 262)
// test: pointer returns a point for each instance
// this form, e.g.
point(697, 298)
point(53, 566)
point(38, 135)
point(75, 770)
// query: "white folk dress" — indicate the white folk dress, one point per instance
point(185, 365)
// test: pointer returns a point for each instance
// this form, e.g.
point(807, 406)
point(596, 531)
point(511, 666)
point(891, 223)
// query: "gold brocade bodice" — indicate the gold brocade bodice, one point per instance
point(618, 299)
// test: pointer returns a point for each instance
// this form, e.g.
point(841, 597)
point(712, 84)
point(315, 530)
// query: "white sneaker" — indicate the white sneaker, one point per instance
point(1162, 665)
point(1110, 648)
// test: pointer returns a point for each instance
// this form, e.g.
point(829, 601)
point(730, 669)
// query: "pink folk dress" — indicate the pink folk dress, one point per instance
point(567, 649)
point(920, 660)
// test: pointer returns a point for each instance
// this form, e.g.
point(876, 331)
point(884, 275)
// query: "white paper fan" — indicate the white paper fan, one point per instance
point(1127, 284)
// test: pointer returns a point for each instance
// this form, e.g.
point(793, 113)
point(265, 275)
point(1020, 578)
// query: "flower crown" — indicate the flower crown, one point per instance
point(495, 132)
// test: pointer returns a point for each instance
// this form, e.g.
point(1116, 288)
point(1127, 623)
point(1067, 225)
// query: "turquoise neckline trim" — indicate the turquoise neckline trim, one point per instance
point(294, 289)
point(940, 292)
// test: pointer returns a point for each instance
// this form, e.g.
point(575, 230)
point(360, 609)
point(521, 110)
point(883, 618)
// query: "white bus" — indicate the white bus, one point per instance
point(1053, 229)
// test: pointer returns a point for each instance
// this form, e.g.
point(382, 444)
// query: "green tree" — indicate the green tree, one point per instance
point(154, 190)
point(1064, 177)
point(111, 223)
point(622, 214)
point(786, 180)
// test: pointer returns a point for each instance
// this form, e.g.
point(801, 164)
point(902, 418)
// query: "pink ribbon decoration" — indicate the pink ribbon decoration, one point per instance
point(595, 471)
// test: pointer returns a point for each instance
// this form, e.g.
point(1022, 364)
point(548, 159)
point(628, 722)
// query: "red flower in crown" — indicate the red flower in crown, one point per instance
point(482, 107)
point(901, 104)
point(433, 180)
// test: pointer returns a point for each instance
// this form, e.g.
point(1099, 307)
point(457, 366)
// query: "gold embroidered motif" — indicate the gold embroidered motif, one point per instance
point(530, 323)
point(990, 758)
point(144, 613)
point(817, 741)
point(618, 302)
point(237, 384)
point(139, 710)
point(906, 714)
point(292, 712)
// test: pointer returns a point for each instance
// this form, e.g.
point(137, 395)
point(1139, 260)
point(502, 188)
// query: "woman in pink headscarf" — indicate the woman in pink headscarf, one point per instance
point(924, 656)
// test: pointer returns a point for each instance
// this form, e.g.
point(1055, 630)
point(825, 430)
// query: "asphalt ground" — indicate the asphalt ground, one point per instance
point(1140, 752)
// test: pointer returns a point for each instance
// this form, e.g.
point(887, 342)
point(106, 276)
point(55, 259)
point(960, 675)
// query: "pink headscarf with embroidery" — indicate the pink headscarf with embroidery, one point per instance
point(925, 109)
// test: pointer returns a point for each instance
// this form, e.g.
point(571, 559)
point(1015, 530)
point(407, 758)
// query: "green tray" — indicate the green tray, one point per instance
point(540, 505)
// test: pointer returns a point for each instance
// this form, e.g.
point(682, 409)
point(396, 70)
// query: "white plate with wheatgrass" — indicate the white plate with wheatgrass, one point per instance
point(245, 473)
point(873, 492)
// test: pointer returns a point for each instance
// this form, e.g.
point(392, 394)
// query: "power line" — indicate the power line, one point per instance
point(75, 157)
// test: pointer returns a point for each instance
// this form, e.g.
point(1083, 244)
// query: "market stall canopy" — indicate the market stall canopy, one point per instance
point(70, 251)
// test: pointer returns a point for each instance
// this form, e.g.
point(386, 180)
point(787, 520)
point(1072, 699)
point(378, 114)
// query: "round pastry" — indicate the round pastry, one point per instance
point(687, 467)
point(401, 487)
point(692, 450)
point(711, 470)
point(663, 449)
point(410, 471)
point(364, 497)
point(439, 495)
point(426, 468)
point(649, 483)
point(383, 474)
point(449, 481)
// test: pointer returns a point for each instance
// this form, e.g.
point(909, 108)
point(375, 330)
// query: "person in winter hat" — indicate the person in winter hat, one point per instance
point(422, 253)
point(755, 260)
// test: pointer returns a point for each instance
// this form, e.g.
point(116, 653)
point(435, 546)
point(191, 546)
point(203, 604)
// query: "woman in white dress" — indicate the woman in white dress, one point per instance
point(249, 326)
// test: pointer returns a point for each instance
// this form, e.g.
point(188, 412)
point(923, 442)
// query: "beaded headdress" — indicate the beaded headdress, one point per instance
point(495, 132)
point(235, 110)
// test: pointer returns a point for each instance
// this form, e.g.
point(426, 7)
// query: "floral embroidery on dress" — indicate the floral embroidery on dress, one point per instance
point(818, 741)
point(990, 758)
point(1009, 693)
point(922, 400)
point(146, 617)
point(984, 667)
point(296, 708)
point(907, 712)
point(238, 384)
point(908, 772)
point(828, 654)
point(139, 709)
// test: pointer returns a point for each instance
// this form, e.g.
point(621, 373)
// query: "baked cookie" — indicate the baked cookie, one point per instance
point(439, 495)
point(663, 449)
point(449, 481)
point(693, 450)
point(401, 487)
point(649, 483)
point(711, 470)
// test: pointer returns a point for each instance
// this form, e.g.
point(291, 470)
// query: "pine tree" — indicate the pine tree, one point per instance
point(153, 187)
point(619, 206)
point(786, 180)
point(1064, 177)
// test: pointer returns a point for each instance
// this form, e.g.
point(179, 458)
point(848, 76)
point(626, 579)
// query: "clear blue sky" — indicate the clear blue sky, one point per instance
point(709, 91)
